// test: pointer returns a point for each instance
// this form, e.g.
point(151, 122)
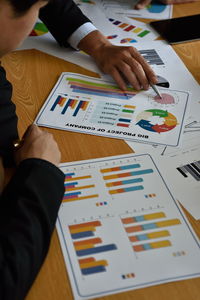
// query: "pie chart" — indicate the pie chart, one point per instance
point(156, 7)
point(156, 120)
point(39, 29)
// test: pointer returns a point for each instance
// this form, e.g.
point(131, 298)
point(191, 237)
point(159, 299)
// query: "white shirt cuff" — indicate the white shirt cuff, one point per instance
point(80, 33)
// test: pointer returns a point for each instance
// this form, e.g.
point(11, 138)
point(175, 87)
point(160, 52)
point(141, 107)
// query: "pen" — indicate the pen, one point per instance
point(156, 90)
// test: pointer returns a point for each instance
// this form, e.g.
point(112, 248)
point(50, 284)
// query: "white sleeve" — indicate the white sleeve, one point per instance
point(80, 33)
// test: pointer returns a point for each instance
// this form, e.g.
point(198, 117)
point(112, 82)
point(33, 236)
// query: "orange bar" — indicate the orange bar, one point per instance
point(134, 229)
point(62, 101)
point(82, 247)
point(127, 220)
point(83, 229)
point(123, 25)
point(78, 178)
point(86, 260)
point(84, 105)
point(138, 248)
point(73, 103)
point(114, 183)
point(80, 198)
point(89, 241)
point(116, 191)
point(133, 238)
point(93, 223)
point(79, 187)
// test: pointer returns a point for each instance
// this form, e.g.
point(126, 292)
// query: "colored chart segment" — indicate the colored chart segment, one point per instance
point(114, 114)
point(192, 169)
point(128, 181)
point(39, 29)
point(167, 121)
point(86, 243)
point(73, 104)
point(99, 89)
point(128, 40)
point(140, 32)
point(79, 187)
point(166, 99)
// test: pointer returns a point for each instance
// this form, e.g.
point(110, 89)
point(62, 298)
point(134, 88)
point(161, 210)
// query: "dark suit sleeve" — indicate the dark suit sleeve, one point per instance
point(8, 119)
point(62, 17)
point(28, 211)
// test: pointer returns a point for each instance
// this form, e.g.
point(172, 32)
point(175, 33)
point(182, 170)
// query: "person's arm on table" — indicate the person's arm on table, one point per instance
point(64, 19)
point(28, 210)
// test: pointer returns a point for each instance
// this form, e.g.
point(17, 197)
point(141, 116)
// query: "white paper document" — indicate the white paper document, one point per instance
point(154, 10)
point(121, 229)
point(182, 171)
point(96, 106)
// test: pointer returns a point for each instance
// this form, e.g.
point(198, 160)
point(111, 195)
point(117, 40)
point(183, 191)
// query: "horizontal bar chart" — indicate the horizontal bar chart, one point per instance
point(150, 246)
point(148, 236)
point(150, 226)
point(99, 89)
point(143, 218)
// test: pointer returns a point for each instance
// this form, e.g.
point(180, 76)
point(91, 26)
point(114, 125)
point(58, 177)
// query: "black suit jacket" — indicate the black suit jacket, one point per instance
point(62, 17)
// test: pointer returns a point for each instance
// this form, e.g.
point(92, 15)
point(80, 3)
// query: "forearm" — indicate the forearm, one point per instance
point(28, 212)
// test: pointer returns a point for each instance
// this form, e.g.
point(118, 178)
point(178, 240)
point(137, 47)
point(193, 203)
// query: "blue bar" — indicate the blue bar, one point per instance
point(149, 226)
point(66, 106)
point(147, 171)
point(142, 237)
point(96, 250)
point(134, 188)
point(93, 270)
point(55, 103)
point(83, 234)
point(125, 120)
point(69, 174)
point(139, 218)
point(130, 167)
point(71, 183)
point(147, 246)
point(77, 109)
point(132, 181)
point(73, 194)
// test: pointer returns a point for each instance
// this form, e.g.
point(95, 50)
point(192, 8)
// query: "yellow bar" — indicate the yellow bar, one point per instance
point(130, 106)
point(74, 103)
point(137, 30)
point(81, 247)
point(160, 244)
point(158, 234)
point(94, 264)
point(154, 216)
point(83, 229)
point(78, 178)
point(168, 223)
point(80, 187)
point(110, 177)
point(85, 105)
point(62, 102)
point(81, 198)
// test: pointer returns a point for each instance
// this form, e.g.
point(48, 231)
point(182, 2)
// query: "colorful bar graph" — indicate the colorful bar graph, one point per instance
point(120, 175)
point(120, 168)
point(143, 218)
point(59, 101)
point(122, 182)
point(148, 236)
point(150, 246)
point(128, 189)
point(90, 265)
point(70, 103)
point(130, 28)
point(99, 89)
point(155, 225)
point(96, 250)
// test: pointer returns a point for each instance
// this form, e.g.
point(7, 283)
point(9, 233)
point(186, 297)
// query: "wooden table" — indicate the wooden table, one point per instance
point(33, 75)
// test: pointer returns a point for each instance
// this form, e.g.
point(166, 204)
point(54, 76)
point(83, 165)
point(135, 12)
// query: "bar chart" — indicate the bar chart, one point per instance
point(85, 246)
point(82, 86)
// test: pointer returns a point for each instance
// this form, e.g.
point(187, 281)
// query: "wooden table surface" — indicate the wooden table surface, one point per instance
point(33, 75)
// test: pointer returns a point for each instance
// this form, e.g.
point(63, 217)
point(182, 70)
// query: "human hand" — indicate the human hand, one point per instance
point(38, 144)
point(143, 3)
point(124, 64)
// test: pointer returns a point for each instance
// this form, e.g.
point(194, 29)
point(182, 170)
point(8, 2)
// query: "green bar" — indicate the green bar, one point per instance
point(128, 111)
point(143, 33)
